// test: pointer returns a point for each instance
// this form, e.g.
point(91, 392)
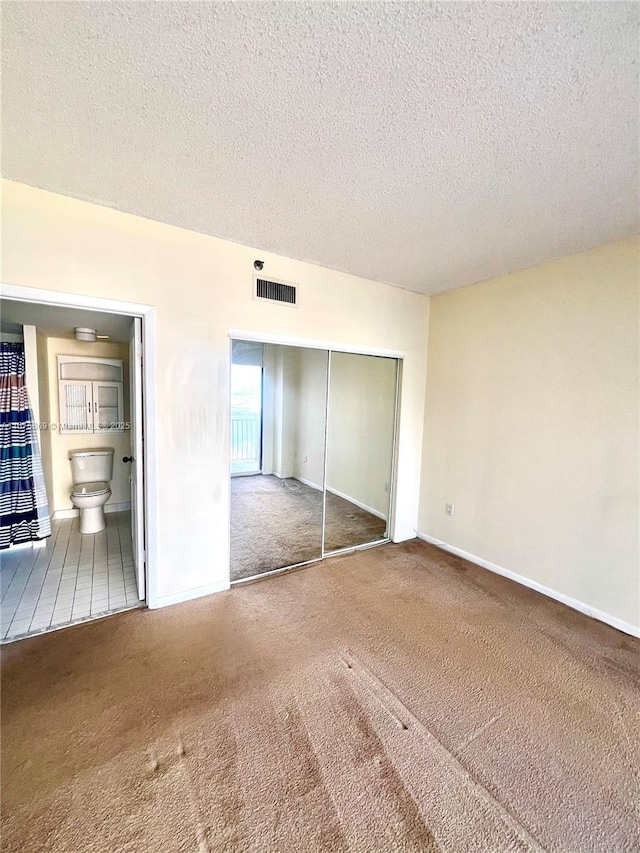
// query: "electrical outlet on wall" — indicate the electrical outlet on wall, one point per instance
point(448, 509)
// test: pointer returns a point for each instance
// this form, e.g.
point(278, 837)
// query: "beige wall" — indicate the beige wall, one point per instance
point(29, 336)
point(45, 413)
point(295, 383)
point(532, 425)
point(60, 444)
point(289, 363)
point(201, 288)
point(269, 412)
point(361, 418)
point(311, 416)
point(360, 434)
point(280, 409)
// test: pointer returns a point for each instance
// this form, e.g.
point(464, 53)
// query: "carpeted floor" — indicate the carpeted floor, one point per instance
point(395, 699)
point(274, 525)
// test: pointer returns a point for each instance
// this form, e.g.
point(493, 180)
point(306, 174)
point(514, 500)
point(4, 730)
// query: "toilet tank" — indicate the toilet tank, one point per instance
point(92, 465)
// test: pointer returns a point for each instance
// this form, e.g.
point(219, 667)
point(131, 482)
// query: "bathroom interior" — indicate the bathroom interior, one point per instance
point(312, 438)
point(78, 383)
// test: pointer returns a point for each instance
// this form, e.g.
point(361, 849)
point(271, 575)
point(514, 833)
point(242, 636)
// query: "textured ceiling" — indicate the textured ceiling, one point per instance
point(429, 145)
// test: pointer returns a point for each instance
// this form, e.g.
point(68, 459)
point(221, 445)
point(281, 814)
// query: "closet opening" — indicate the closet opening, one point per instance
point(317, 459)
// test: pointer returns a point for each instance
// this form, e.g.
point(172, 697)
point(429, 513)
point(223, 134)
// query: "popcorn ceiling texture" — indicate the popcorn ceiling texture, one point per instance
point(428, 145)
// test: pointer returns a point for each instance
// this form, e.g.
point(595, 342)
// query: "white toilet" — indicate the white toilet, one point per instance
point(92, 470)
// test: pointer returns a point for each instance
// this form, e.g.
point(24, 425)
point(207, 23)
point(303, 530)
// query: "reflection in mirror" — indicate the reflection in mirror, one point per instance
point(360, 440)
point(278, 414)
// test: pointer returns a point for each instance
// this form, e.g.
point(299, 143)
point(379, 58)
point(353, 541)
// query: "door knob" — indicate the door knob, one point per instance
point(127, 458)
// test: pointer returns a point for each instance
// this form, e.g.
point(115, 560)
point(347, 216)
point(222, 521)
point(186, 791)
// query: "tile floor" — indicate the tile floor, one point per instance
point(73, 578)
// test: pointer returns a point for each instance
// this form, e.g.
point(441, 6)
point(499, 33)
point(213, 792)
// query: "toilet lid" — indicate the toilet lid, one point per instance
point(90, 489)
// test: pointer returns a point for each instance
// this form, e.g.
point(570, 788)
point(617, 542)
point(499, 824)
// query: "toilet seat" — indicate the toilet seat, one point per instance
point(90, 489)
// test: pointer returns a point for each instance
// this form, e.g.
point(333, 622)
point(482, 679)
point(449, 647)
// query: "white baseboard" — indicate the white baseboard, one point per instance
point(60, 514)
point(188, 594)
point(580, 606)
point(122, 507)
point(308, 483)
point(343, 496)
point(366, 508)
point(74, 513)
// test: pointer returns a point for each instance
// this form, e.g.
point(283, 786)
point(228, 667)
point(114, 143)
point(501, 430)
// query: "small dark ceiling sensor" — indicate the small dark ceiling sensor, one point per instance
point(258, 264)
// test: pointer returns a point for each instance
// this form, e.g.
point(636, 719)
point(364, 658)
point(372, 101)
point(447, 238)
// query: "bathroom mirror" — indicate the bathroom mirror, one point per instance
point(278, 418)
point(360, 443)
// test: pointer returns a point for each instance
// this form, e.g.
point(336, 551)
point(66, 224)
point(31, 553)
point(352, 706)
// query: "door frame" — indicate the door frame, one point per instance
point(330, 347)
point(147, 315)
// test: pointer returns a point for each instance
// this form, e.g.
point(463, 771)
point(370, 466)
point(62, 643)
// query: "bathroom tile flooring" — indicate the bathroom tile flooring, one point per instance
point(73, 578)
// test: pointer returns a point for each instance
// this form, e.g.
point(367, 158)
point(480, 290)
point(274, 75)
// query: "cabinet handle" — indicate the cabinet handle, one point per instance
point(95, 408)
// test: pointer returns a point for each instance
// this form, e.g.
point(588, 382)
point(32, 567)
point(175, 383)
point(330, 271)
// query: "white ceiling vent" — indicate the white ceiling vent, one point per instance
point(275, 291)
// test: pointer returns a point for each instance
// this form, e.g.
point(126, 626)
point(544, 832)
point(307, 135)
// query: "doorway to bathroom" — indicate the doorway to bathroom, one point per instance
point(83, 371)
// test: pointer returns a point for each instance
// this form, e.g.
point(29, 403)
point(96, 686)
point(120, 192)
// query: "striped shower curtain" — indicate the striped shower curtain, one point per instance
point(24, 512)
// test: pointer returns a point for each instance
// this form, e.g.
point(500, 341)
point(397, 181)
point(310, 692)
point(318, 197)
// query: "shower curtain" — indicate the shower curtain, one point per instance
point(24, 512)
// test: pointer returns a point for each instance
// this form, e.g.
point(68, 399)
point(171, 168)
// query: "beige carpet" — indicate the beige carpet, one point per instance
point(397, 699)
point(276, 523)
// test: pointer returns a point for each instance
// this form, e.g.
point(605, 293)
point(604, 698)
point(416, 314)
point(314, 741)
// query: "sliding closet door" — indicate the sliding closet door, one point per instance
point(360, 442)
point(277, 512)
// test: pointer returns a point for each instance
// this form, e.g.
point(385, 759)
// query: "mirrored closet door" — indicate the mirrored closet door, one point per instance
point(312, 445)
point(278, 433)
point(360, 442)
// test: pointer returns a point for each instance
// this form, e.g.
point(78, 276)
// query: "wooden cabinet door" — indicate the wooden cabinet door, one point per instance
point(76, 406)
point(107, 406)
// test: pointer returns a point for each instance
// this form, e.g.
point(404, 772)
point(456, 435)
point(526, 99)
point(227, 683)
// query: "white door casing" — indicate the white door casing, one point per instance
point(137, 451)
point(146, 317)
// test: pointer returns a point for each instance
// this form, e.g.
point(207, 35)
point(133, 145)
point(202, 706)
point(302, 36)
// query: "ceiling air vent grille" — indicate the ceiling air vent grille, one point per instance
point(276, 291)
